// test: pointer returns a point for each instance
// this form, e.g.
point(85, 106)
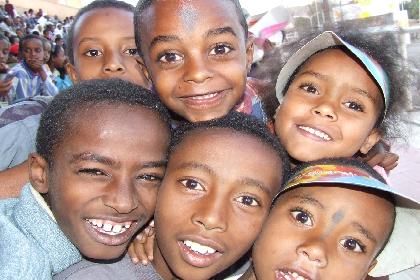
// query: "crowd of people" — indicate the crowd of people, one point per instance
point(21, 59)
point(166, 160)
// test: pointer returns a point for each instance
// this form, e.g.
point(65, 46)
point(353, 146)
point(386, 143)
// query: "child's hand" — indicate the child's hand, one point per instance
point(141, 248)
point(3, 67)
point(5, 87)
point(380, 155)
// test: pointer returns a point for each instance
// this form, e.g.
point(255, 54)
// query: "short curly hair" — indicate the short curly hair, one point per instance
point(97, 4)
point(238, 122)
point(64, 109)
point(392, 62)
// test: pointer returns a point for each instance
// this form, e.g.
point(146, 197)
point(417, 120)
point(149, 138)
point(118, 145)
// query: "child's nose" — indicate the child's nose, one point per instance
point(313, 251)
point(211, 214)
point(325, 108)
point(197, 70)
point(121, 196)
point(113, 65)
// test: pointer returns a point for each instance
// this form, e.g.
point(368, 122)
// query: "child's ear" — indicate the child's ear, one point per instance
point(249, 52)
point(370, 141)
point(143, 68)
point(71, 70)
point(38, 173)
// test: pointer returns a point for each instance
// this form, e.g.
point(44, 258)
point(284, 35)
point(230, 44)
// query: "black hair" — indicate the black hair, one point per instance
point(64, 109)
point(97, 4)
point(27, 38)
point(238, 122)
point(391, 61)
point(144, 4)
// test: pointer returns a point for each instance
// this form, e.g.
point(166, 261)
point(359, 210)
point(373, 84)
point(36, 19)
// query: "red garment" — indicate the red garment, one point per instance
point(10, 10)
point(14, 49)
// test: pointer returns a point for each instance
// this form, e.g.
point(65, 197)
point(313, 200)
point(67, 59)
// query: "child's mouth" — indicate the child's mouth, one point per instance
point(197, 254)
point(110, 232)
point(205, 100)
point(321, 135)
point(289, 275)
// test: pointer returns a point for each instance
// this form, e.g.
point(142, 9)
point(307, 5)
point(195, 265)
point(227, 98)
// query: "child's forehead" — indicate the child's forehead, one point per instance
point(190, 14)
point(96, 16)
point(33, 41)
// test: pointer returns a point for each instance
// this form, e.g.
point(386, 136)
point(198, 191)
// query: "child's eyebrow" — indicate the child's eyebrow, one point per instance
point(92, 157)
point(254, 183)
point(363, 92)
point(315, 74)
point(364, 231)
point(162, 39)
point(309, 200)
point(110, 162)
point(220, 30)
point(195, 165)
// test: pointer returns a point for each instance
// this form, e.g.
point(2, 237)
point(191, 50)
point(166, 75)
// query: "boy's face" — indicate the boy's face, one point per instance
point(330, 109)
point(103, 183)
point(198, 63)
point(4, 51)
point(102, 50)
point(213, 200)
point(322, 233)
point(33, 54)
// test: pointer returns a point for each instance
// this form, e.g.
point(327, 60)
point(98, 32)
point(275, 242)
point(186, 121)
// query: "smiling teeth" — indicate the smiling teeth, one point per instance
point(206, 96)
point(198, 248)
point(110, 228)
point(316, 132)
point(292, 275)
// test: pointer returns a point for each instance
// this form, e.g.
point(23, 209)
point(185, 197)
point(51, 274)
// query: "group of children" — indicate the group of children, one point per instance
point(109, 156)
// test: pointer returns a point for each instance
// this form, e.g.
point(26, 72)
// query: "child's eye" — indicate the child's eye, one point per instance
point(353, 245)
point(93, 53)
point(169, 58)
point(302, 217)
point(131, 52)
point(309, 88)
point(192, 184)
point(354, 106)
point(92, 172)
point(221, 49)
point(247, 200)
point(150, 177)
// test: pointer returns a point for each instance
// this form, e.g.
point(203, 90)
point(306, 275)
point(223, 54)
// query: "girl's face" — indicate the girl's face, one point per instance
point(60, 58)
point(330, 109)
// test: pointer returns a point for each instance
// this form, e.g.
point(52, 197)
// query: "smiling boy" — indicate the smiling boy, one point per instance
point(99, 179)
point(211, 204)
point(198, 63)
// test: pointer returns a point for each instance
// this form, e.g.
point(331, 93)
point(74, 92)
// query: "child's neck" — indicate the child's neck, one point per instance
point(248, 275)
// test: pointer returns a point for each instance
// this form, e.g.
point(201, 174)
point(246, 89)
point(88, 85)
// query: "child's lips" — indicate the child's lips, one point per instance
point(291, 274)
point(200, 252)
point(321, 134)
point(209, 99)
point(109, 232)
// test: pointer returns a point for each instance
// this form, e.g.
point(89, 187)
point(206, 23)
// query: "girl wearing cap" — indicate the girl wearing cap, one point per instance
point(339, 96)
point(337, 219)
